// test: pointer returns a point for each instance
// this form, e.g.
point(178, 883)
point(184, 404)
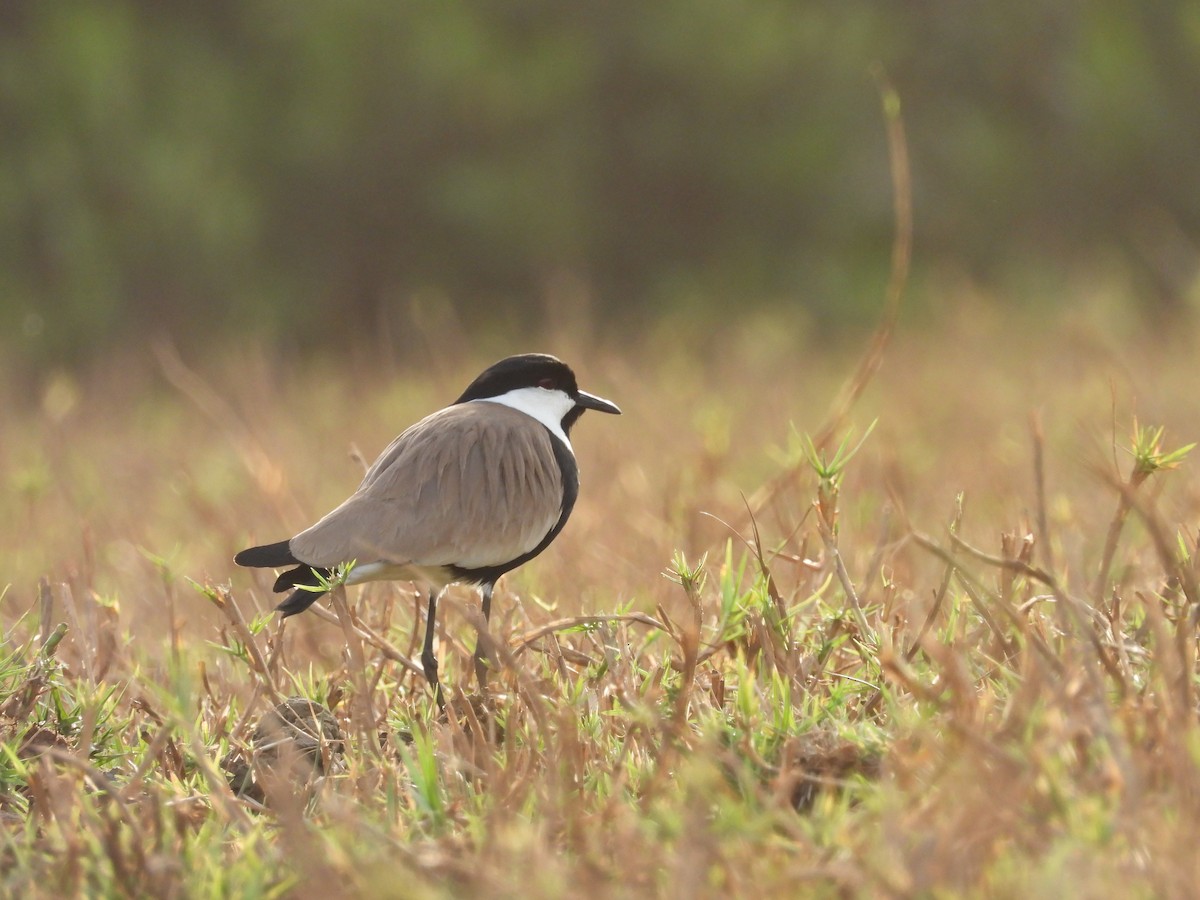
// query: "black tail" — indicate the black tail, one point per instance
point(298, 602)
point(300, 577)
point(276, 556)
point(268, 556)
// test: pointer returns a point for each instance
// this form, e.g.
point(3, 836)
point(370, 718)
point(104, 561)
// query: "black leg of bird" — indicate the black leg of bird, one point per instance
point(481, 664)
point(428, 659)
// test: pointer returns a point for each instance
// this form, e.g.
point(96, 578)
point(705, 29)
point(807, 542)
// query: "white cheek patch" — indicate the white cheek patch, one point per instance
point(548, 407)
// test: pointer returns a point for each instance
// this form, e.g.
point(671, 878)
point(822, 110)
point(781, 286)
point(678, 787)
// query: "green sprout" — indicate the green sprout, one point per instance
point(336, 578)
point(830, 471)
point(690, 577)
point(1148, 454)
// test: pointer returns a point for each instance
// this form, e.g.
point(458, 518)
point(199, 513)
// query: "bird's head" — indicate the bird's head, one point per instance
point(542, 384)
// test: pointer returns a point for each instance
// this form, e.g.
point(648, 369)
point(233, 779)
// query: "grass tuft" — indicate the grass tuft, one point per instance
point(932, 663)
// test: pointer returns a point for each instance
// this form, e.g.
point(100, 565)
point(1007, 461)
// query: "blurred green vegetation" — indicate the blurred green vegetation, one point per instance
point(304, 170)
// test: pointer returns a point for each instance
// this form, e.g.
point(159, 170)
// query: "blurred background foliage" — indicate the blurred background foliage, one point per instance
point(305, 171)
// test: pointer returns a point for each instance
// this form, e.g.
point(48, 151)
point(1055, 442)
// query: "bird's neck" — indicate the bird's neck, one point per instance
point(554, 409)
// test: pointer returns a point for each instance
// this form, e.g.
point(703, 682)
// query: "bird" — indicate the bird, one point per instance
point(465, 495)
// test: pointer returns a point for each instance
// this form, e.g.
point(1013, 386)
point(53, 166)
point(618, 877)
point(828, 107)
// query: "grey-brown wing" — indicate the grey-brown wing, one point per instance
point(473, 485)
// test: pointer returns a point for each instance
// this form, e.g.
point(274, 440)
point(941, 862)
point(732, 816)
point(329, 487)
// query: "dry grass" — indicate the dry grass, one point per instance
point(983, 721)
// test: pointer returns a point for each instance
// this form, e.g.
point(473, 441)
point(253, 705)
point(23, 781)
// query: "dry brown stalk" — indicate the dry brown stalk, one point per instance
point(901, 259)
point(367, 723)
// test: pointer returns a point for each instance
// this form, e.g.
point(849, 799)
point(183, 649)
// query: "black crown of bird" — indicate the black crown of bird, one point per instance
point(467, 494)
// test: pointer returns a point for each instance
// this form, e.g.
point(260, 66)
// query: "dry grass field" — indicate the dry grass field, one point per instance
point(961, 660)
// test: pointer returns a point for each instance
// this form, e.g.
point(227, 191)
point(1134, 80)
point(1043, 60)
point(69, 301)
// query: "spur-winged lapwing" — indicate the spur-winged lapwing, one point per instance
point(464, 495)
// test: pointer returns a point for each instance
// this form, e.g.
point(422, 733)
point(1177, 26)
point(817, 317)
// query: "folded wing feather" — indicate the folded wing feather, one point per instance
point(473, 485)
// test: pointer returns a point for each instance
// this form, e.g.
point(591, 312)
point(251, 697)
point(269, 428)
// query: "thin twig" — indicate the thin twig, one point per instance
point(357, 665)
point(372, 637)
point(566, 624)
point(902, 244)
point(901, 260)
point(1004, 562)
point(1158, 534)
point(1039, 487)
point(977, 592)
point(875, 564)
point(234, 613)
point(839, 566)
point(940, 597)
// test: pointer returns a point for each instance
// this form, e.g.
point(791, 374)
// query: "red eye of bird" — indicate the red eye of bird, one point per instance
point(547, 383)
